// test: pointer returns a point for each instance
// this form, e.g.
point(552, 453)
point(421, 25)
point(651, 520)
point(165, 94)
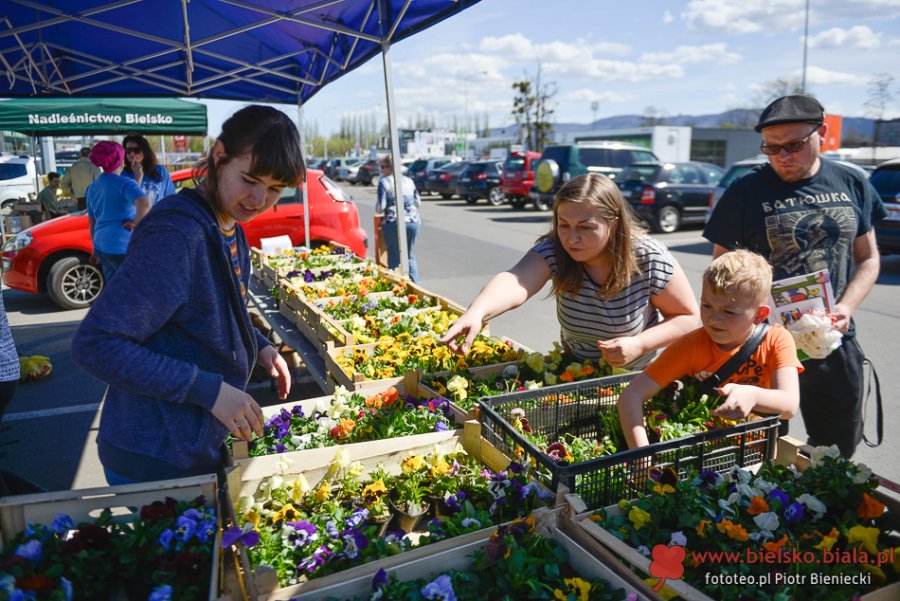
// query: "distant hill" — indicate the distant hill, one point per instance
point(859, 126)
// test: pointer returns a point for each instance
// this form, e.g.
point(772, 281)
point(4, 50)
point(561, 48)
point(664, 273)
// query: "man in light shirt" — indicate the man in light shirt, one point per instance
point(79, 177)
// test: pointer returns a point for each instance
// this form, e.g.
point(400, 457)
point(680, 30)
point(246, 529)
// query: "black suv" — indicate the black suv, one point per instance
point(665, 195)
point(561, 162)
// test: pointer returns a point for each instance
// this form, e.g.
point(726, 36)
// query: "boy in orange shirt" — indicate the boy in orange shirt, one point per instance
point(736, 289)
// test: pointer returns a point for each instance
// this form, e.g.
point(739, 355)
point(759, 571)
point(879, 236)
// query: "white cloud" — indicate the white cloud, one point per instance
point(589, 95)
point(667, 17)
point(517, 47)
point(608, 70)
point(694, 54)
point(820, 76)
point(894, 42)
point(858, 36)
point(771, 16)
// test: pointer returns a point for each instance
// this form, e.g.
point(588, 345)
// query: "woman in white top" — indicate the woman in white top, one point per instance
point(385, 203)
point(619, 293)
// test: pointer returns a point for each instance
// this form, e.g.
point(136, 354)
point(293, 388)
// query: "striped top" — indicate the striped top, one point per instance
point(231, 240)
point(586, 318)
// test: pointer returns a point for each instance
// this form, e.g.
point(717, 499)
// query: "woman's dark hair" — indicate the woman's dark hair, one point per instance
point(271, 139)
point(149, 163)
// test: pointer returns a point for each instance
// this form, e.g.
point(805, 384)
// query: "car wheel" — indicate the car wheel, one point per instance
point(446, 196)
point(471, 199)
point(540, 205)
point(496, 197)
point(73, 283)
point(667, 220)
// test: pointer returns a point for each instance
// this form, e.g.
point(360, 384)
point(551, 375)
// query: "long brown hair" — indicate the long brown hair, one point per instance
point(150, 162)
point(271, 139)
point(601, 193)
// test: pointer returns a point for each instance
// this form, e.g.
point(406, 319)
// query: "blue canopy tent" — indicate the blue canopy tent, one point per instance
point(260, 51)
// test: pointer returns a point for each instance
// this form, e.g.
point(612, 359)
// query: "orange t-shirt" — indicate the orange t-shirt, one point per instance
point(696, 355)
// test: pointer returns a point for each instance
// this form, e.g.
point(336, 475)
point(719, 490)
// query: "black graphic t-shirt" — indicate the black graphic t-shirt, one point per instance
point(802, 226)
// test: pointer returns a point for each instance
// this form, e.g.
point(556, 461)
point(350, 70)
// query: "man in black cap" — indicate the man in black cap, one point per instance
point(805, 213)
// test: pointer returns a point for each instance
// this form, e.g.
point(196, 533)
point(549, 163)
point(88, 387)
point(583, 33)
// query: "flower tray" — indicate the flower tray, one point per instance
point(574, 409)
point(239, 449)
point(789, 453)
point(250, 474)
point(357, 381)
point(124, 501)
point(454, 554)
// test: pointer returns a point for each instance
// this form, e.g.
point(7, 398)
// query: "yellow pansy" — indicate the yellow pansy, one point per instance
point(828, 540)
point(877, 572)
point(322, 492)
point(412, 463)
point(638, 517)
point(868, 537)
point(666, 592)
point(286, 514)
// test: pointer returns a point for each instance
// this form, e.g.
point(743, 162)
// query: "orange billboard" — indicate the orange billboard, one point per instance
point(832, 141)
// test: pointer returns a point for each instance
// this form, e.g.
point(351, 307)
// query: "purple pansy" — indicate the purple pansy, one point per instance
point(318, 558)
point(439, 590)
point(794, 512)
point(165, 538)
point(776, 494)
point(31, 550)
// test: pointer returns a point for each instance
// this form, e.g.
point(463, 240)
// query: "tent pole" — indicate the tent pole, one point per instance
point(305, 187)
point(395, 155)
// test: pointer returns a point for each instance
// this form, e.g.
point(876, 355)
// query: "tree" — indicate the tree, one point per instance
point(533, 109)
point(776, 88)
point(652, 116)
point(880, 97)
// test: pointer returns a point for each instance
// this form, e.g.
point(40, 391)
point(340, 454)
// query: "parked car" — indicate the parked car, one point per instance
point(561, 162)
point(336, 168)
point(481, 179)
point(17, 179)
point(886, 179)
point(665, 195)
point(517, 177)
point(347, 172)
point(445, 181)
point(52, 257)
point(420, 169)
point(366, 173)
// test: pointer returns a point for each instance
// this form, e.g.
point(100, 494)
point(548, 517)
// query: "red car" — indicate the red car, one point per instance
point(52, 257)
point(518, 177)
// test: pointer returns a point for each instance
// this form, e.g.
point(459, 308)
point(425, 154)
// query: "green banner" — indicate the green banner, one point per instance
point(82, 116)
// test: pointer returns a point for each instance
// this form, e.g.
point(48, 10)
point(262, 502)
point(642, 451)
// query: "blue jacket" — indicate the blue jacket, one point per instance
point(164, 334)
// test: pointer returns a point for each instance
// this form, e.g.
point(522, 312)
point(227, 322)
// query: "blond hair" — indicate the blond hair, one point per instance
point(601, 193)
point(740, 272)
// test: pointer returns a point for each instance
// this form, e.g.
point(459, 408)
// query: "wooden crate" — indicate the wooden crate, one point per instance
point(124, 501)
point(788, 454)
point(451, 554)
point(239, 449)
point(250, 473)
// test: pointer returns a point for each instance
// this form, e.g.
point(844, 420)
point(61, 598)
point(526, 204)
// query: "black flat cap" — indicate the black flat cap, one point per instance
point(791, 109)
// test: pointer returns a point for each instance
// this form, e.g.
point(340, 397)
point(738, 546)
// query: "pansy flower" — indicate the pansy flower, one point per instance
point(758, 505)
point(794, 512)
point(867, 537)
point(638, 517)
point(775, 545)
point(441, 589)
point(828, 540)
point(665, 480)
point(869, 508)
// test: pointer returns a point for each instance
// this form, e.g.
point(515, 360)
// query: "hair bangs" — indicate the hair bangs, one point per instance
point(276, 154)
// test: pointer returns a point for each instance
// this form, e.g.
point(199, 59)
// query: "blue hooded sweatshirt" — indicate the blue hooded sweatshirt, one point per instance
point(164, 334)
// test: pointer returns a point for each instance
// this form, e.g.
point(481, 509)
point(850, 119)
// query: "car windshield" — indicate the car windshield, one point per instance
point(514, 164)
point(887, 181)
point(418, 165)
point(12, 170)
point(639, 173)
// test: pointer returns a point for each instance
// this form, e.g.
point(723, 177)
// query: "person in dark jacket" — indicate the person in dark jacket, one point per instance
point(171, 334)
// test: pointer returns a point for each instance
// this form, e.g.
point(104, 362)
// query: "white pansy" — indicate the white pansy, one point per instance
point(748, 491)
point(299, 487)
point(767, 521)
point(764, 485)
point(535, 361)
point(761, 536)
point(864, 472)
point(284, 462)
point(323, 404)
point(678, 538)
point(243, 503)
point(324, 425)
point(550, 378)
point(643, 550)
point(458, 386)
point(726, 504)
point(275, 482)
point(818, 454)
point(532, 385)
point(813, 504)
point(744, 476)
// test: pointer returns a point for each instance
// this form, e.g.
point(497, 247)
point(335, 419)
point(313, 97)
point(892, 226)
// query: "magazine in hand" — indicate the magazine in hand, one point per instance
point(794, 296)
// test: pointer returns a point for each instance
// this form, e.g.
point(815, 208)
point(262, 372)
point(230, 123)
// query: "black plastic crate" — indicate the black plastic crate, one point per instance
point(574, 409)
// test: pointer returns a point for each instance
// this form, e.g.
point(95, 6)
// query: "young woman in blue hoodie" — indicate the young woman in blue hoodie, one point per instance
point(171, 334)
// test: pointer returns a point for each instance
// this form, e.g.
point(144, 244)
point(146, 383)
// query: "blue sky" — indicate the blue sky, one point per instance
point(681, 57)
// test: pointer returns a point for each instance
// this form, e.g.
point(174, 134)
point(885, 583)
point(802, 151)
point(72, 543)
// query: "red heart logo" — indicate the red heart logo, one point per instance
point(668, 562)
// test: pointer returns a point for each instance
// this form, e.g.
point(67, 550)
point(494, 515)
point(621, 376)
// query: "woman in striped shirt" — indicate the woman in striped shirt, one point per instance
point(619, 293)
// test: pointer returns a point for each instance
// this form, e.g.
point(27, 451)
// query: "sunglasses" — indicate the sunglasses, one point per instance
point(132, 150)
point(791, 147)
